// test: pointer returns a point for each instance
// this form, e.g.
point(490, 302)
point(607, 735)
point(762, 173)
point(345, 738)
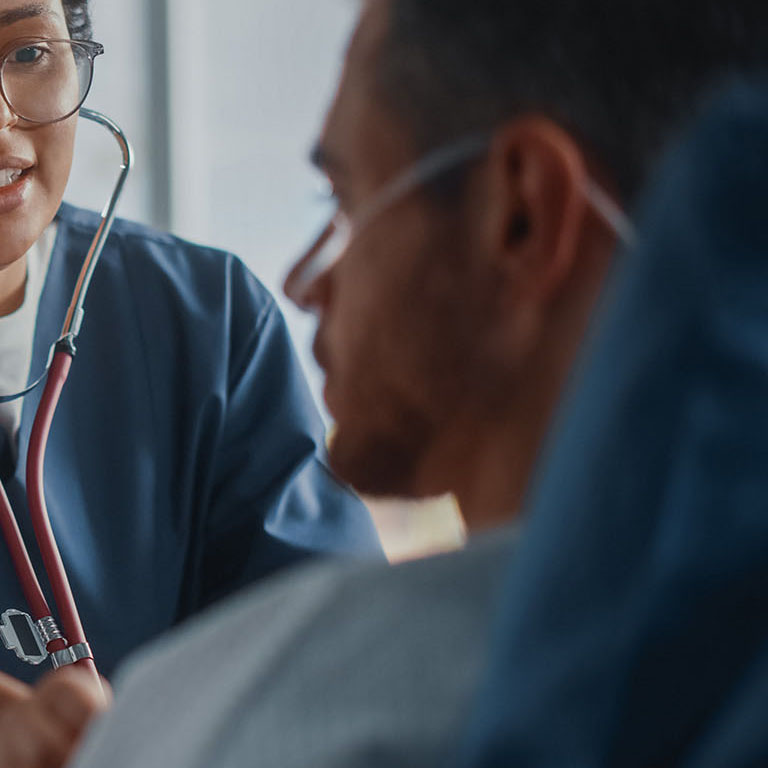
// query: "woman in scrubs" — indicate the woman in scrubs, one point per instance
point(185, 432)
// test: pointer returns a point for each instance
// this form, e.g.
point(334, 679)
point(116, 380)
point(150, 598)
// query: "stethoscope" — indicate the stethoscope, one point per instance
point(37, 637)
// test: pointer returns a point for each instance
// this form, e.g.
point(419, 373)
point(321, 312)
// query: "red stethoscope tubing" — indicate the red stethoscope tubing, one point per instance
point(62, 592)
point(71, 624)
point(33, 593)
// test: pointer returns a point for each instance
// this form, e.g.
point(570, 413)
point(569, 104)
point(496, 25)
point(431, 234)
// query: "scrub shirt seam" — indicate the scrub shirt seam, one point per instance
point(253, 341)
point(247, 354)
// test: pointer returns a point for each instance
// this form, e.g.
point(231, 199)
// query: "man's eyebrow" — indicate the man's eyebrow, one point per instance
point(29, 11)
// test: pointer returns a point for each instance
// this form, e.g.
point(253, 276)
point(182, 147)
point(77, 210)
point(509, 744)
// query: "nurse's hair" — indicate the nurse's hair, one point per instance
point(619, 75)
point(78, 19)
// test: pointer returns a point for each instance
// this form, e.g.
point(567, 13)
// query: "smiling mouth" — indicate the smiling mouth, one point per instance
point(10, 176)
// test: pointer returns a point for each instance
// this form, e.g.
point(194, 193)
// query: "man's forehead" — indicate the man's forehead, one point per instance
point(362, 60)
point(359, 124)
point(370, 33)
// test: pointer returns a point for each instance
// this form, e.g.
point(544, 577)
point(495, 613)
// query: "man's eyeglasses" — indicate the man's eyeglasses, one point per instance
point(45, 81)
point(336, 236)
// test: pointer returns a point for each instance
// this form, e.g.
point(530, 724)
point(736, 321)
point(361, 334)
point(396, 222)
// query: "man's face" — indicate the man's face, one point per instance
point(42, 152)
point(402, 312)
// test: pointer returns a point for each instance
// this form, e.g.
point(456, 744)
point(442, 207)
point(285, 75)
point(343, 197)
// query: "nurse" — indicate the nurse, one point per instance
point(186, 456)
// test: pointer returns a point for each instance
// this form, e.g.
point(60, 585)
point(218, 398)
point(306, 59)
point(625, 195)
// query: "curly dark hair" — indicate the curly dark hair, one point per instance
point(78, 19)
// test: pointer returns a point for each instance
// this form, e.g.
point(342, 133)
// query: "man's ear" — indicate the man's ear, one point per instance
point(535, 206)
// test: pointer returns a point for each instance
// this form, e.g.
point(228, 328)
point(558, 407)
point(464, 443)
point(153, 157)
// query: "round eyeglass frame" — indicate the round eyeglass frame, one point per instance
point(92, 50)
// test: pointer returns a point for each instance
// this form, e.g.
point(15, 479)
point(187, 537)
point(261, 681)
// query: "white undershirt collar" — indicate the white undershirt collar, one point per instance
point(17, 332)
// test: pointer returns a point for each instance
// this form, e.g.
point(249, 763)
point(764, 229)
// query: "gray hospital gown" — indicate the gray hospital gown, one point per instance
point(335, 664)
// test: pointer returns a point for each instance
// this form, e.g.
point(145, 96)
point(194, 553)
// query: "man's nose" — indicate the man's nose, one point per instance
point(306, 289)
point(307, 283)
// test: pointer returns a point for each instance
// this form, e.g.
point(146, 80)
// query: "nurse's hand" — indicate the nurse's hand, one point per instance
point(41, 727)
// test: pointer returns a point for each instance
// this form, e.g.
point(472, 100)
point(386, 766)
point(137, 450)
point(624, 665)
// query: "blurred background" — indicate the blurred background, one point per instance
point(222, 102)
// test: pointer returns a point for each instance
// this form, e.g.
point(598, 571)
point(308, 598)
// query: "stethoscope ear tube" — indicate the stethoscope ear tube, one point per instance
point(71, 646)
point(74, 316)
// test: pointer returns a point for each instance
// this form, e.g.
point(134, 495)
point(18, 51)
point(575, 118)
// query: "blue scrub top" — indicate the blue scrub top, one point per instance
point(186, 457)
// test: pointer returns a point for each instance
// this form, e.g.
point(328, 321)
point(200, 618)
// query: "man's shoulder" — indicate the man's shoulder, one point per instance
point(306, 597)
point(467, 571)
point(358, 653)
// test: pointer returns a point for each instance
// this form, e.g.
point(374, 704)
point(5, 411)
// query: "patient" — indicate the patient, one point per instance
point(448, 325)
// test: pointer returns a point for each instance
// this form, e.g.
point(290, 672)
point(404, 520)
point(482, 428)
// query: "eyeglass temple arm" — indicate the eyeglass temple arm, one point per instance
point(74, 317)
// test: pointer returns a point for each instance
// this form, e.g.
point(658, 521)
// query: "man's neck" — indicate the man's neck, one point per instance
point(492, 493)
point(13, 281)
point(487, 465)
point(488, 461)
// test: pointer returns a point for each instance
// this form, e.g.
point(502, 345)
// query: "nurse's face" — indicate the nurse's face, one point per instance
point(43, 153)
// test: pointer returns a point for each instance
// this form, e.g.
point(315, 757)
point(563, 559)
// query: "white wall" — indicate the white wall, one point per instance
point(247, 83)
point(262, 73)
point(120, 89)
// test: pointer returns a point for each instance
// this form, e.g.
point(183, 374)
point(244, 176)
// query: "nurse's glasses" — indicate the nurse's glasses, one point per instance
point(44, 81)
